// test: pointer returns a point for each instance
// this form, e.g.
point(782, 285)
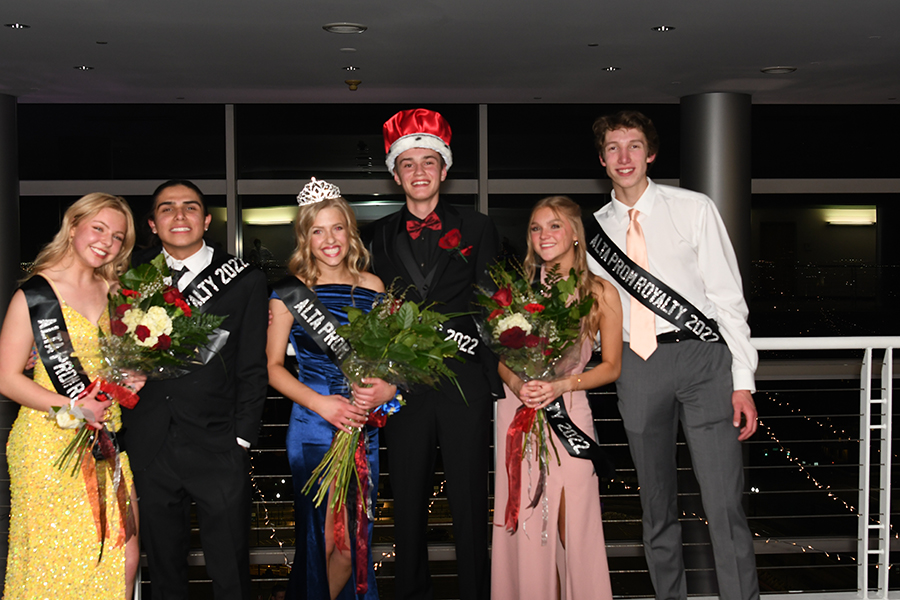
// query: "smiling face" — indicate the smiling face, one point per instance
point(97, 240)
point(553, 238)
point(179, 221)
point(328, 239)
point(625, 156)
point(420, 171)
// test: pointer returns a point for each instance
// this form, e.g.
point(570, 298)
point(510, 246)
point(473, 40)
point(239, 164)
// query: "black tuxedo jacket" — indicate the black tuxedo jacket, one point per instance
point(223, 399)
point(450, 285)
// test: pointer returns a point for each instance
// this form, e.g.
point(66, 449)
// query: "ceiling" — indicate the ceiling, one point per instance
point(449, 51)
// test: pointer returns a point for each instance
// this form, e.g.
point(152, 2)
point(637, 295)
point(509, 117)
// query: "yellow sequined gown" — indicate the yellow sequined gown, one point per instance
point(53, 541)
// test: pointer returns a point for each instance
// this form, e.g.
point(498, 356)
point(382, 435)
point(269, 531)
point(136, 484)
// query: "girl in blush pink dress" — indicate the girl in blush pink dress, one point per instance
point(564, 556)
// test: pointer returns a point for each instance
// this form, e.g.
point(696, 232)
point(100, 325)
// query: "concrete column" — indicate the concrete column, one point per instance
point(9, 275)
point(715, 160)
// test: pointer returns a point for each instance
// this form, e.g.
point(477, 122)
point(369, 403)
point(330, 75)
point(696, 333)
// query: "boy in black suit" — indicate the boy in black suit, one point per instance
point(187, 438)
point(440, 253)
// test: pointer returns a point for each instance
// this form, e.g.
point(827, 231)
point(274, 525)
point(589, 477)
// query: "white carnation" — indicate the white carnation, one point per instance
point(132, 318)
point(510, 321)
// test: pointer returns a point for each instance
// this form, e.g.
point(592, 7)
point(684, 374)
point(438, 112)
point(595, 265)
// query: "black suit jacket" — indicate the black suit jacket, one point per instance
point(451, 285)
point(223, 399)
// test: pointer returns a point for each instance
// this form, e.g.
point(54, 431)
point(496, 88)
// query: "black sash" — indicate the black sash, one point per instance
point(213, 281)
point(576, 442)
point(315, 319)
point(649, 290)
point(52, 338)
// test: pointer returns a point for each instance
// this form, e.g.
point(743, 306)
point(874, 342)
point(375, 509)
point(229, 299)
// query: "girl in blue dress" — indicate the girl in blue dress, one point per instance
point(331, 260)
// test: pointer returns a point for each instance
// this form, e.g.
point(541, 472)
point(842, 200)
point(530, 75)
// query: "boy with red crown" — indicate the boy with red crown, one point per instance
point(439, 252)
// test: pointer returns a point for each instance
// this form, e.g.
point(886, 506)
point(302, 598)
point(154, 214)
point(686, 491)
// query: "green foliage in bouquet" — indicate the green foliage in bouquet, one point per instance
point(398, 341)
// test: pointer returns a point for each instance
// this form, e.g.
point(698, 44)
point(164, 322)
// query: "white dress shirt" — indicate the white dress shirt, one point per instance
point(195, 264)
point(688, 248)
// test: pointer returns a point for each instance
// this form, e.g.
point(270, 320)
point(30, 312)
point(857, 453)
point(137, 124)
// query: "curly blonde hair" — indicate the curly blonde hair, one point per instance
point(588, 283)
point(302, 262)
point(86, 208)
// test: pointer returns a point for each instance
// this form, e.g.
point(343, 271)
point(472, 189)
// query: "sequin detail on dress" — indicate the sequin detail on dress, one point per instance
point(53, 545)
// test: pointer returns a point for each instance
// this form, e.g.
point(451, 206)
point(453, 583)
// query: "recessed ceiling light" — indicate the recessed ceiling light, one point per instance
point(780, 70)
point(348, 49)
point(351, 68)
point(18, 26)
point(344, 28)
point(84, 68)
point(611, 68)
point(663, 28)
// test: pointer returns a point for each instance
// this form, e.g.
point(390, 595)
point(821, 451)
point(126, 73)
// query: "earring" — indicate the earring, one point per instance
point(576, 243)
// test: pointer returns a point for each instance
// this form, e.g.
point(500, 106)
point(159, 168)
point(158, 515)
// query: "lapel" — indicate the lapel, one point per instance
point(395, 247)
point(451, 221)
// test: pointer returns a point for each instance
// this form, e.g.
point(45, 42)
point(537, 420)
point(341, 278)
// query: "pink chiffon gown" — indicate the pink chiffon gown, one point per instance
point(521, 565)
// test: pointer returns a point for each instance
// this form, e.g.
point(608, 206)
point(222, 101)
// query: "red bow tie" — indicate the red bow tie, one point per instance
point(415, 227)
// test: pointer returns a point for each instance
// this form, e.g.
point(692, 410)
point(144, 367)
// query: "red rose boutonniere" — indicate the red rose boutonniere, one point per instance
point(451, 241)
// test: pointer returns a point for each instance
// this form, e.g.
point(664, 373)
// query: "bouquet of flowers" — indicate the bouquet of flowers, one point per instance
point(154, 330)
point(154, 333)
point(535, 329)
point(400, 342)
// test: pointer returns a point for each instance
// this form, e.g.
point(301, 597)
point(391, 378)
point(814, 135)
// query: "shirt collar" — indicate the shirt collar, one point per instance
point(644, 204)
point(195, 263)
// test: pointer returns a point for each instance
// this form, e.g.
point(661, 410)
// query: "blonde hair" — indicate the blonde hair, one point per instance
point(86, 208)
point(588, 284)
point(302, 262)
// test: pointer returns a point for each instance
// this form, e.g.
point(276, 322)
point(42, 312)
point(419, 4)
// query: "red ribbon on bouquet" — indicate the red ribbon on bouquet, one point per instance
point(521, 425)
point(361, 519)
point(124, 396)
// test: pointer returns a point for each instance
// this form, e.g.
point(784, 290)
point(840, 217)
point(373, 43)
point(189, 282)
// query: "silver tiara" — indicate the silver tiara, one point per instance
point(317, 191)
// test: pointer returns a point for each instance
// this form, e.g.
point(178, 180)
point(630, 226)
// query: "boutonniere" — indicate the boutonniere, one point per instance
point(451, 241)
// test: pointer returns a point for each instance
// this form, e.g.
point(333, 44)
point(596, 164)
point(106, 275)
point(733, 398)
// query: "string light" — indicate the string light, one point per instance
point(267, 522)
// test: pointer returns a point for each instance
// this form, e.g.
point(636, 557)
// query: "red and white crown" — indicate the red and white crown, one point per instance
point(416, 128)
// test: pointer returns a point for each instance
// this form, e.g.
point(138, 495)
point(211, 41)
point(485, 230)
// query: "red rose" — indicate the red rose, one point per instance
point(142, 332)
point(171, 294)
point(450, 240)
point(514, 338)
point(532, 341)
point(496, 313)
point(503, 296)
point(184, 306)
point(548, 351)
point(122, 309)
point(395, 305)
point(534, 308)
point(130, 293)
point(118, 327)
point(163, 342)
point(377, 419)
point(467, 251)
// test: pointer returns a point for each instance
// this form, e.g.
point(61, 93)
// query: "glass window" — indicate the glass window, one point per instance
point(556, 141)
point(800, 141)
point(121, 141)
point(340, 141)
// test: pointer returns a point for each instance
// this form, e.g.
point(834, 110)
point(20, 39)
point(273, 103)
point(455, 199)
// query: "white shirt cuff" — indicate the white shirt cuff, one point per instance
point(743, 380)
point(243, 443)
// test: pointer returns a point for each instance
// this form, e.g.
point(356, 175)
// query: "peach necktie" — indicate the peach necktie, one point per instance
point(643, 322)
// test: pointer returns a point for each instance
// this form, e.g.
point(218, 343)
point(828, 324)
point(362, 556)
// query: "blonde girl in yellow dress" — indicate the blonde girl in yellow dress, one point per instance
point(54, 541)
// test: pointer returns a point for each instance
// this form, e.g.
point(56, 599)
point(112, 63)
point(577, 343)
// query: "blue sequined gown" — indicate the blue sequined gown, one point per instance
point(308, 438)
